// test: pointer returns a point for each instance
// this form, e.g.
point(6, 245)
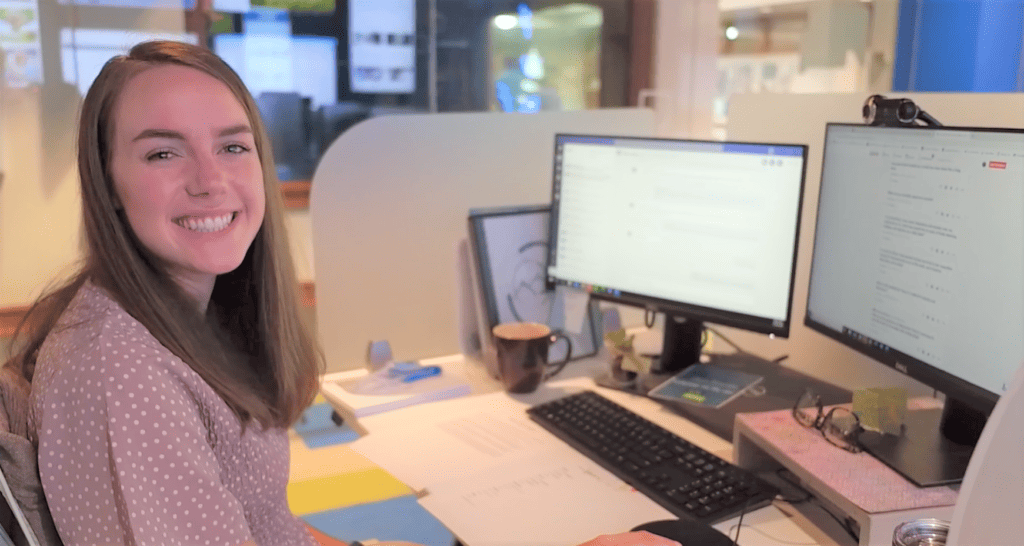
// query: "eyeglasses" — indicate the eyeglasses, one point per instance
point(840, 426)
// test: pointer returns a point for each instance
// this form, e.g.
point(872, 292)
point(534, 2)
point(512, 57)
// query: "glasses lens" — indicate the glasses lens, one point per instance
point(807, 410)
point(841, 427)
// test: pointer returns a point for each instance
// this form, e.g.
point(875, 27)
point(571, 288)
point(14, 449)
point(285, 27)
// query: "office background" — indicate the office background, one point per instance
point(684, 59)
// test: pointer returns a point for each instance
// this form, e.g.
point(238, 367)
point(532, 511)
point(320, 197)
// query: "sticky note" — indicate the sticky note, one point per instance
point(881, 409)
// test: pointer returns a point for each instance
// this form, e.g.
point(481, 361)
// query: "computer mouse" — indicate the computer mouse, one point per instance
point(686, 532)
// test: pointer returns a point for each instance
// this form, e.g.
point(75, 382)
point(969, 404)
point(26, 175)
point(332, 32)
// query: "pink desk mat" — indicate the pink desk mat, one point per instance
point(859, 477)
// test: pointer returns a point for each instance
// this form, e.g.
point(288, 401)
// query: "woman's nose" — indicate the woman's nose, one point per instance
point(210, 178)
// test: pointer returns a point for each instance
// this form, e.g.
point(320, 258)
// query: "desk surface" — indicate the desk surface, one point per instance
point(389, 440)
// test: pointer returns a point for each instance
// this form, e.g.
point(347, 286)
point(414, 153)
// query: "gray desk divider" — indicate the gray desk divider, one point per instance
point(388, 208)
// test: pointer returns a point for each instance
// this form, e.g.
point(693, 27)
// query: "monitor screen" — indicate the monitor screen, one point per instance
point(306, 65)
point(382, 46)
point(919, 253)
point(705, 231)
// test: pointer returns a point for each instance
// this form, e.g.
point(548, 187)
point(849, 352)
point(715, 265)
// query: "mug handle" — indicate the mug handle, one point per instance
point(559, 366)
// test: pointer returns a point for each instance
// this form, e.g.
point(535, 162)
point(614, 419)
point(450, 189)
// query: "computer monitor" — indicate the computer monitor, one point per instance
point(919, 263)
point(288, 122)
point(703, 231)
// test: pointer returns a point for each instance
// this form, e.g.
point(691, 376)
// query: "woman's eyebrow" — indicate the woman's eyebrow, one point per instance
point(234, 130)
point(167, 133)
point(158, 133)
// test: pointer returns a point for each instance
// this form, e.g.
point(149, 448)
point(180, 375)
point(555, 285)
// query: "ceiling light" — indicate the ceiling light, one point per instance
point(506, 22)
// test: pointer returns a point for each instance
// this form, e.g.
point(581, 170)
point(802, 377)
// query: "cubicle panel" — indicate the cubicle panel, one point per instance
point(801, 119)
point(390, 201)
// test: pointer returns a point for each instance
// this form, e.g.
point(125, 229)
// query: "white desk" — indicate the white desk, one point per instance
point(408, 443)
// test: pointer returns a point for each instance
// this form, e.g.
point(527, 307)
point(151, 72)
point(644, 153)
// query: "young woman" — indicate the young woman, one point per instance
point(166, 372)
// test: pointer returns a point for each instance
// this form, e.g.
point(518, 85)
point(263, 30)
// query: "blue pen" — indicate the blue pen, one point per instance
point(422, 373)
point(412, 371)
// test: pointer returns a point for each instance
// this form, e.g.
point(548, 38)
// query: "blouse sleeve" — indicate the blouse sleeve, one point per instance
point(124, 456)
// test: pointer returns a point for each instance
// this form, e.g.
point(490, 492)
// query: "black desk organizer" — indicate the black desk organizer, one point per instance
point(780, 389)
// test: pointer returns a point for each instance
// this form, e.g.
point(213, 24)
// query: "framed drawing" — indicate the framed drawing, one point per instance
point(509, 246)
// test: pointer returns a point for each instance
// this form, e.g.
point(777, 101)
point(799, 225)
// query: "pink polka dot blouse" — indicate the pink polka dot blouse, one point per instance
point(135, 448)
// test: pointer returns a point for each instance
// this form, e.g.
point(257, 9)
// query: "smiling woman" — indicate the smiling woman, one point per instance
point(165, 373)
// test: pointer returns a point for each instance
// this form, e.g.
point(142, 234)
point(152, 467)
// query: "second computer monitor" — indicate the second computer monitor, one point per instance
point(919, 263)
point(701, 230)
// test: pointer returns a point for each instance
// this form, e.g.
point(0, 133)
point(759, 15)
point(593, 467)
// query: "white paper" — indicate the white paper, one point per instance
point(453, 439)
point(548, 498)
point(496, 434)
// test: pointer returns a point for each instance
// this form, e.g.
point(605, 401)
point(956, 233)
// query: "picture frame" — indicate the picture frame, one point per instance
point(509, 250)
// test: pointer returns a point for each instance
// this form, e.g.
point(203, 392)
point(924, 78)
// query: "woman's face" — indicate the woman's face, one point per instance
point(187, 173)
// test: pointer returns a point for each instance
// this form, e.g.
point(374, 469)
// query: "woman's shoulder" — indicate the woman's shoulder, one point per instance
point(93, 319)
point(93, 336)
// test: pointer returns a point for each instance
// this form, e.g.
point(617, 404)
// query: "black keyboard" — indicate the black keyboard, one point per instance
point(683, 478)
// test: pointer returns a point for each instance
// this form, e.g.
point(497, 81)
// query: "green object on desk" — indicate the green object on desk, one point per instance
point(881, 409)
point(621, 348)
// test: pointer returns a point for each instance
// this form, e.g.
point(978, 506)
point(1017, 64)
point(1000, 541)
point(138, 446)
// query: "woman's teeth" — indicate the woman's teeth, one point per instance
point(206, 225)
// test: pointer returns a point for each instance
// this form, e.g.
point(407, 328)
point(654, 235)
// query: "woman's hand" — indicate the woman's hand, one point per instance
point(639, 538)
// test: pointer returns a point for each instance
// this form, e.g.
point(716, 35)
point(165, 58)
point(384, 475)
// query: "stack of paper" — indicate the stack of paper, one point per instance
point(351, 398)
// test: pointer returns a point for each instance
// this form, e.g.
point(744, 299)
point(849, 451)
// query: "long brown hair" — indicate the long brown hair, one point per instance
point(257, 354)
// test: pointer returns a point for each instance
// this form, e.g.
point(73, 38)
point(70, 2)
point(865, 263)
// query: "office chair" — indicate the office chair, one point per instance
point(24, 516)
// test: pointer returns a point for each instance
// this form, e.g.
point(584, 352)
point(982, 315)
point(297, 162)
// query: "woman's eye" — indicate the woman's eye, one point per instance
point(156, 156)
point(236, 148)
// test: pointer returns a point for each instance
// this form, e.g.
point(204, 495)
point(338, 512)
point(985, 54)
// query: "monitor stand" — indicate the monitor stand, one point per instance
point(934, 447)
point(780, 389)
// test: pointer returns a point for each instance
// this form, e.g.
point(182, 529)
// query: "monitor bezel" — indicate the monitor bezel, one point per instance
point(975, 396)
point(689, 311)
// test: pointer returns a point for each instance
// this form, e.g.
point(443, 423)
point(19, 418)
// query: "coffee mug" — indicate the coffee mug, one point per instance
point(523, 354)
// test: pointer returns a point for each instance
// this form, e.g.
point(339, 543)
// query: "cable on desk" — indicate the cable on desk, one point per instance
point(807, 495)
point(739, 524)
point(770, 537)
point(845, 523)
point(731, 343)
point(740, 350)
